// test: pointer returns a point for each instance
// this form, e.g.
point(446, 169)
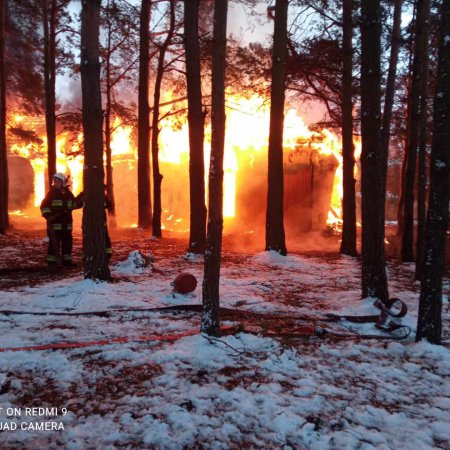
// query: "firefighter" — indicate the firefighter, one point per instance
point(57, 208)
point(79, 203)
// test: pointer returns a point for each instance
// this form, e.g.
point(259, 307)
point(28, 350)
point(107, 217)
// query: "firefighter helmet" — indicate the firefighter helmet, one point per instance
point(62, 177)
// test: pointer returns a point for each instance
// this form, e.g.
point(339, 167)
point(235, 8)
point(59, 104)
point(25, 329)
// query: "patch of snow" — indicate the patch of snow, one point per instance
point(239, 391)
point(136, 262)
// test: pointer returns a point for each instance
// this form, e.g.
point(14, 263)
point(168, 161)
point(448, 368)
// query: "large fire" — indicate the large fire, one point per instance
point(247, 132)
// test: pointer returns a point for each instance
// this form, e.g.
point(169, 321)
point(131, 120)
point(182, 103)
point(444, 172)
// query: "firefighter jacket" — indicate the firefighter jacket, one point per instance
point(57, 208)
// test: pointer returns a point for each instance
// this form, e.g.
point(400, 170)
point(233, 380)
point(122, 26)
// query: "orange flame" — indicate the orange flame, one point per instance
point(247, 134)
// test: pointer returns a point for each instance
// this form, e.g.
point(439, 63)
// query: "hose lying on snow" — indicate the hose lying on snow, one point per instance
point(299, 331)
point(116, 340)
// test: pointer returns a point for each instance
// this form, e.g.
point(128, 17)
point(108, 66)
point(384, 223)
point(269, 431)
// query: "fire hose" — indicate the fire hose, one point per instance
point(116, 340)
point(301, 331)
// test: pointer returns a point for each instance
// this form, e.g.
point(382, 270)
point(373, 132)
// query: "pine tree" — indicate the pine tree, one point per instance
point(348, 243)
point(420, 38)
point(429, 324)
point(422, 155)
point(275, 237)
point(374, 281)
point(54, 18)
point(94, 229)
point(197, 234)
point(157, 176)
point(390, 89)
point(210, 294)
point(144, 196)
point(4, 219)
point(118, 55)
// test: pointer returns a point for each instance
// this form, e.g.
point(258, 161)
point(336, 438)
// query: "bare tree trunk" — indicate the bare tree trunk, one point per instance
point(389, 101)
point(210, 295)
point(197, 236)
point(49, 9)
point(4, 180)
point(144, 197)
point(423, 9)
point(157, 176)
point(348, 243)
point(374, 281)
point(422, 160)
point(429, 325)
point(390, 90)
point(401, 201)
point(109, 167)
point(108, 132)
point(94, 234)
point(275, 237)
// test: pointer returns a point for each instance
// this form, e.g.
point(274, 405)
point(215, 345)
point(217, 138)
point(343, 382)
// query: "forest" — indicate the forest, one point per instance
point(223, 224)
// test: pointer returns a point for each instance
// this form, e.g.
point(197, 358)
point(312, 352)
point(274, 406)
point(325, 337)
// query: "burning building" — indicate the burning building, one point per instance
point(21, 189)
point(312, 167)
point(308, 188)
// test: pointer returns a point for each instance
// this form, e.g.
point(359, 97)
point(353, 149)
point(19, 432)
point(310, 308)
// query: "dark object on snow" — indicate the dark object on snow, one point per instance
point(6, 386)
point(393, 307)
point(188, 405)
point(184, 283)
point(140, 259)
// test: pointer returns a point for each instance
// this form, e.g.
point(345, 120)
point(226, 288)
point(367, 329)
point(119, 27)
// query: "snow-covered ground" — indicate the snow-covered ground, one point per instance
point(147, 379)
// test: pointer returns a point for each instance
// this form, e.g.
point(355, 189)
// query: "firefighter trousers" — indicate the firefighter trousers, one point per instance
point(59, 246)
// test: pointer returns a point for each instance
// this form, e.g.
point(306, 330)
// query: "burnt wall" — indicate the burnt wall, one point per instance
point(21, 182)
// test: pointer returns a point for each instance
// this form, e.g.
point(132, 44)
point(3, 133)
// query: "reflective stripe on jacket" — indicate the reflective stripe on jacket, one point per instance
point(57, 207)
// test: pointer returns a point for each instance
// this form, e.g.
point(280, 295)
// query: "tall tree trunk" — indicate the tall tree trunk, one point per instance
point(109, 167)
point(144, 197)
point(421, 194)
point(374, 281)
point(401, 202)
point(210, 295)
point(4, 180)
point(275, 237)
point(389, 101)
point(108, 132)
point(429, 325)
point(157, 176)
point(390, 90)
point(422, 160)
point(94, 230)
point(420, 35)
point(348, 243)
point(197, 236)
point(49, 10)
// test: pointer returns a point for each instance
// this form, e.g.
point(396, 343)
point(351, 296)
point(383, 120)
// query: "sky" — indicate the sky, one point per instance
point(241, 24)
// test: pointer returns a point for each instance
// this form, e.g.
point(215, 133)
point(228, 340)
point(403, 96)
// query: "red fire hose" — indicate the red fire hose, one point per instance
point(380, 323)
point(117, 340)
